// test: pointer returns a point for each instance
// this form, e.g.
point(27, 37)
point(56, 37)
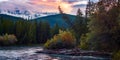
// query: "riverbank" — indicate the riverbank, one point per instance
point(31, 53)
point(76, 52)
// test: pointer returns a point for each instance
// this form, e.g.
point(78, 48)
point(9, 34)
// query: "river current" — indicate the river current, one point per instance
point(28, 53)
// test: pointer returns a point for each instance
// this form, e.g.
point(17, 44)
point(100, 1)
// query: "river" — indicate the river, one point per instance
point(28, 53)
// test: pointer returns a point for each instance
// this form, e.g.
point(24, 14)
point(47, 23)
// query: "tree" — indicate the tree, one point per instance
point(43, 32)
point(80, 26)
point(104, 27)
point(21, 31)
point(31, 33)
point(60, 10)
point(66, 18)
point(1, 26)
point(38, 31)
point(55, 30)
point(7, 26)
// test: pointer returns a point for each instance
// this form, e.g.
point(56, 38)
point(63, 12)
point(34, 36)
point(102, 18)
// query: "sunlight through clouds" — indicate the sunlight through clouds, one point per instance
point(68, 6)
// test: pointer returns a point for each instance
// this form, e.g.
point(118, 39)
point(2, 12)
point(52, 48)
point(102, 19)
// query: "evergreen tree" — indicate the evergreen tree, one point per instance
point(104, 28)
point(31, 33)
point(1, 26)
point(38, 31)
point(43, 32)
point(55, 30)
point(80, 26)
point(21, 31)
point(7, 26)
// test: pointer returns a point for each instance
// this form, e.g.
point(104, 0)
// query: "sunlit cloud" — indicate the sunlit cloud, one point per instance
point(68, 6)
point(3, 0)
point(80, 2)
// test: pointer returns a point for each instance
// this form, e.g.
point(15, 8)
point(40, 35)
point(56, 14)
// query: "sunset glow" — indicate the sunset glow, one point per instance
point(44, 0)
point(68, 6)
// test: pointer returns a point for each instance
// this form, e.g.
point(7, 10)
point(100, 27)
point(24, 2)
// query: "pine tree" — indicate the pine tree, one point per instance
point(31, 33)
point(80, 26)
point(104, 28)
point(55, 30)
point(43, 32)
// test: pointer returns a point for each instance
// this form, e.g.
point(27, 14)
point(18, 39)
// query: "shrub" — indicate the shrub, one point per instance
point(8, 39)
point(64, 39)
point(116, 56)
point(83, 42)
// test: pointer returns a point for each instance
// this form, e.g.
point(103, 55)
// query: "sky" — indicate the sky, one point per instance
point(68, 6)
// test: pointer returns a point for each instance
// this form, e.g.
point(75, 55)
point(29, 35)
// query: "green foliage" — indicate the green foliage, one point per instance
point(104, 28)
point(64, 39)
point(55, 30)
point(80, 26)
point(21, 30)
point(6, 26)
point(116, 56)
point(84, 44)
point(43, 32)
point(27, 32)
point(8, 39)
point(31, 34)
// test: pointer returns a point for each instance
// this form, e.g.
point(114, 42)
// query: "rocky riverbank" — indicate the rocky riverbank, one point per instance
point(76, 52)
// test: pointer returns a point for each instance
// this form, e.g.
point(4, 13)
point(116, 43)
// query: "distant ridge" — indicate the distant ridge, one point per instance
point(51, 19)
point(8, 17)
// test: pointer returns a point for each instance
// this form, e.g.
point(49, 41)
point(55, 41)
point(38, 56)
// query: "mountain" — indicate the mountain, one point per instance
point(52, 19)
point(8, 17)
point(23, 10)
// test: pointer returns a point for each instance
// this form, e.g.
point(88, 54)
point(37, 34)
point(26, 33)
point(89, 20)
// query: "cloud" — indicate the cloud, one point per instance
point(52, 5)
point(80, 2)
point(3, 0)
point(68, 6)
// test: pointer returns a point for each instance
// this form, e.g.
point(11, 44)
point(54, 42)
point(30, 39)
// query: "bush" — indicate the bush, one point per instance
point(64, 39)
point(116, 56)
point(7, 39)
point(84, 43)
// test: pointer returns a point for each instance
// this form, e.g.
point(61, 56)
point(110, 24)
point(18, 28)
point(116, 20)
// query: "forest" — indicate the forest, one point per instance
point(97, 30)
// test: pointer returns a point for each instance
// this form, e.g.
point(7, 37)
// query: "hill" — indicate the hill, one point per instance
point(8, 17)
point(51, 19)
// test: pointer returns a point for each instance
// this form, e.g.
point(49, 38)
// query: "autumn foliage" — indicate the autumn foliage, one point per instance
point(8, 40)
point(64, 39)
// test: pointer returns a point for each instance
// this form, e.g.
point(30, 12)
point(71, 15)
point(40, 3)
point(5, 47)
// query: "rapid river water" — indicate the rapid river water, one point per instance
point(28, 53)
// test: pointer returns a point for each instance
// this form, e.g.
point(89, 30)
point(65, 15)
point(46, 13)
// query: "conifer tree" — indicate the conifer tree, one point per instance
point(104, 27)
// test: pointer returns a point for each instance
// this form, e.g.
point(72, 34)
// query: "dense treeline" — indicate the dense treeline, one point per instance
point(28, 32)
point(78, 26)
point(38, 32)
point(104, 27)
point(100, 30)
